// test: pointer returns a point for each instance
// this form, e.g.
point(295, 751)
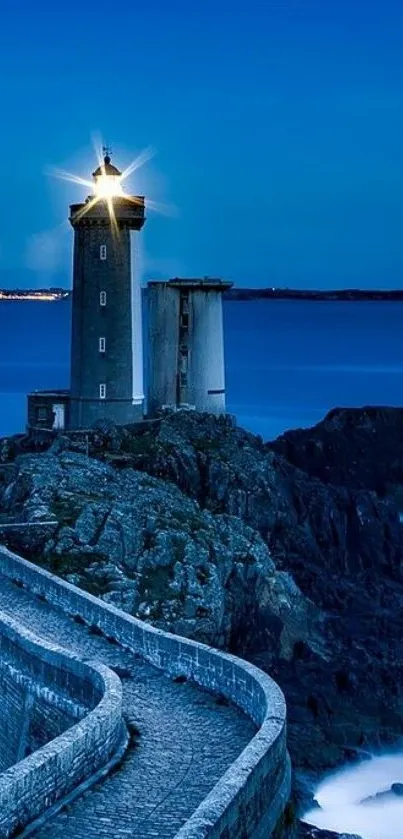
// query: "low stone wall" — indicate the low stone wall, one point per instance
point(31, 715)
point(249, 799)
point(48, 774)
point(12, 713)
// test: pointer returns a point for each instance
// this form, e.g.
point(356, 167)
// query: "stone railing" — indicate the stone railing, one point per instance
point(250, 798)
point(34, 784)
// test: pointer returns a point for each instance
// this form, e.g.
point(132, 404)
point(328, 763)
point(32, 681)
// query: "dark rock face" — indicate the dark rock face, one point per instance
point(203, 528)
point(360, 448)
point(343, 548)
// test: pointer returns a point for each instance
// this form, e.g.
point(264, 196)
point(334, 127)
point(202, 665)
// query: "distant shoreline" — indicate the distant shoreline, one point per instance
point(347, 294)
point(50, 295)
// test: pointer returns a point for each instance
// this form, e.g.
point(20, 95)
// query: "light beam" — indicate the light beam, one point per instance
point(105, 187)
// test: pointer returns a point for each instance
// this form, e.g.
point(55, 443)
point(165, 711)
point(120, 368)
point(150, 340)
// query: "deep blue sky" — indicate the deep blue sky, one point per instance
point(278, 129)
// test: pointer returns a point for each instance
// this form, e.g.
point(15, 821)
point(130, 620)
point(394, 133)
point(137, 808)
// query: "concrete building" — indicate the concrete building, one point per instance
point(106, 337)
point(49, 409)
point(186, 345)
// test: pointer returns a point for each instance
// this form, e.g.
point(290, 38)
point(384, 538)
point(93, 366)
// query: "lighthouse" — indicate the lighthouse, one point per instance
point(106, 340)
point(106, 328)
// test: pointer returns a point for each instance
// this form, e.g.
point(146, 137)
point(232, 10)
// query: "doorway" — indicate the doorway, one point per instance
point(58, 415)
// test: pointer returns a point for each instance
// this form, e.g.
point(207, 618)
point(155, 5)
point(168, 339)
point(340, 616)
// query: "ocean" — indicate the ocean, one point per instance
point(287, 362)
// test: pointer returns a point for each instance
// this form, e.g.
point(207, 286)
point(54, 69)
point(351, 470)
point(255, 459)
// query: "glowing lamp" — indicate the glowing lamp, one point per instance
point(107, 179)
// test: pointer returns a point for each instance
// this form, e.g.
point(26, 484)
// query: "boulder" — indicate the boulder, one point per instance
point(397, 789)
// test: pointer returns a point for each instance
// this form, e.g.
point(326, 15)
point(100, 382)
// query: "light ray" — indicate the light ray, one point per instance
point(168, 210)
point(112, 216)
point(69, 176)
point(85, 208)
point(98, 144)
point(139, 161)
point(155, 206)
point(134, 199)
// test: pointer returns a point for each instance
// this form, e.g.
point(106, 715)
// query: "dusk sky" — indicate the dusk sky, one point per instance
point(277, 129)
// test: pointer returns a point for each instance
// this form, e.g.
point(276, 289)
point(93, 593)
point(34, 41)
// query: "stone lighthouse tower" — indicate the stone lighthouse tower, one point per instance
point(106, 344)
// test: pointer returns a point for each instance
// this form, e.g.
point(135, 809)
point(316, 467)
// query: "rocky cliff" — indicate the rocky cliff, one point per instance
point(361, 448)
point(202, 528)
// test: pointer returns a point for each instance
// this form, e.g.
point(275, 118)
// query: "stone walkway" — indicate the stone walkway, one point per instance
point(187, 739)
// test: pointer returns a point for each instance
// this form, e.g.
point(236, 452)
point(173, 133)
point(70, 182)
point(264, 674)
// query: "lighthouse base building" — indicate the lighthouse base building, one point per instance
point(186, 345)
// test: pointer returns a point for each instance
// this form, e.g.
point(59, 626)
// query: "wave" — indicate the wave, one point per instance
point(358, 799)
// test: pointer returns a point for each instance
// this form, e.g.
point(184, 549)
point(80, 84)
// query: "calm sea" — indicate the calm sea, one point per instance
point(287, 362)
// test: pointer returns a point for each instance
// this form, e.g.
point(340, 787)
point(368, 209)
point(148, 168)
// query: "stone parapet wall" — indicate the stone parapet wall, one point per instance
point(31, 714)
point(35, 783)
point(249, 799)
point(12, 713)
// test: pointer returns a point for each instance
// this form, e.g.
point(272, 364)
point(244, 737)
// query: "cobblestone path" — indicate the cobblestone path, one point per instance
point(187, 739)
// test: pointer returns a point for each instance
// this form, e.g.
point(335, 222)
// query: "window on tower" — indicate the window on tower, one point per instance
point(102, 391)
point(102, 252)
point(102, 298)
point(184, 358)
point(102, 345)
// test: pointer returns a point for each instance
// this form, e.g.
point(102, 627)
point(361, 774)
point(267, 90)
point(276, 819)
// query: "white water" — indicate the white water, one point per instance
point(341, 798)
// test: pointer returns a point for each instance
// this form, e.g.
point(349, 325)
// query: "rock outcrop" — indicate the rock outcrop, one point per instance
point(140, 543)
point(361, 448)
point(204, 529)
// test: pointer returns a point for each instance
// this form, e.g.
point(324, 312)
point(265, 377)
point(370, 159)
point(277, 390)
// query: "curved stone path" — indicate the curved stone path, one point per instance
point(187, 738)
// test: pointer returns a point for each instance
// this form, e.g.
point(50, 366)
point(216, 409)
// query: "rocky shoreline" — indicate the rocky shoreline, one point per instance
point(288, 553)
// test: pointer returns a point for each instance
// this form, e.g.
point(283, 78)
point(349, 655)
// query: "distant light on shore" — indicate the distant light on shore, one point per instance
point(48, 296)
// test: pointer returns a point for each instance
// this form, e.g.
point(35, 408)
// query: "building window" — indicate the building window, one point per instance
point(102, 253)
point(102, 391)
point(102, 298)
point(42, 414)
point(184, 302)
point(102, 345)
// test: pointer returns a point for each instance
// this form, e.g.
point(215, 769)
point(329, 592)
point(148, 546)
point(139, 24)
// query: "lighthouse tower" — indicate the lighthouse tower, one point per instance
point(106, 342)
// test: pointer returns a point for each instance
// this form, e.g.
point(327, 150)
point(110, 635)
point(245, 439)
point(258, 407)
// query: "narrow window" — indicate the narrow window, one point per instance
point(102, 345)
point(102, 391)
point(102, 253)
point(184, 362)
point(184, 302)
point(102, 298)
